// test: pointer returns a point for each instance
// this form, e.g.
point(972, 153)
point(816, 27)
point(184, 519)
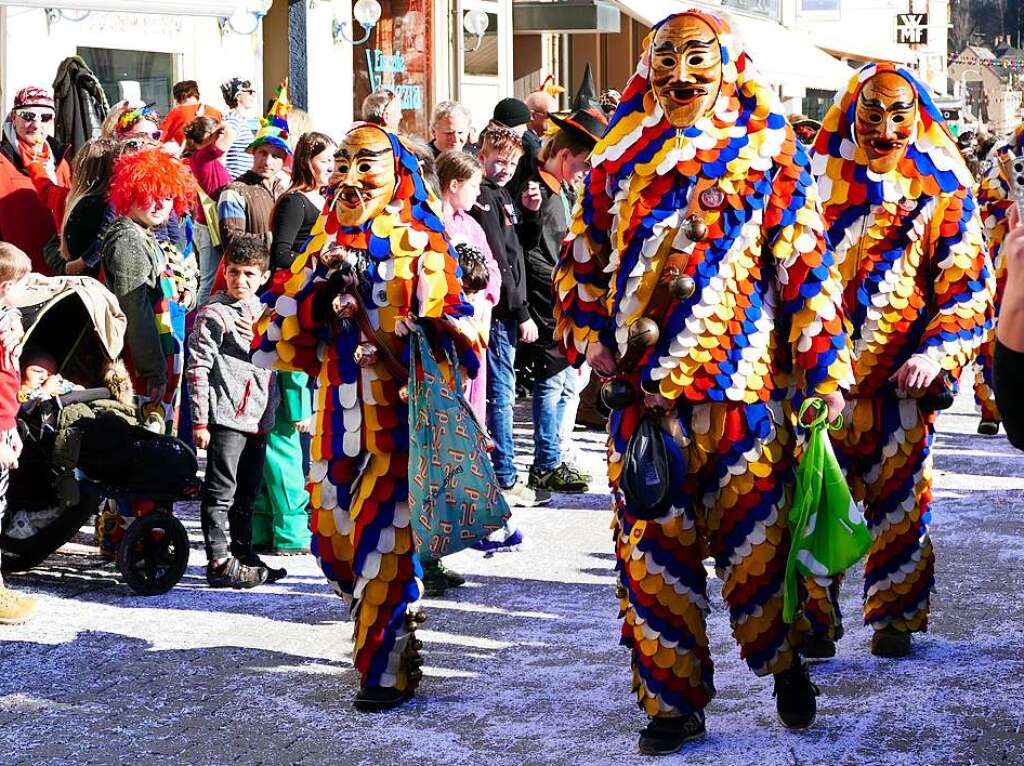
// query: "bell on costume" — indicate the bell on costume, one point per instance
point(694, 228)
point(617, 394)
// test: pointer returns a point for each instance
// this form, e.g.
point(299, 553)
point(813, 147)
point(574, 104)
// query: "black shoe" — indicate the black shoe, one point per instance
point(273, 573)
point(890, 642)
point(667, 734)
point(234, 574)
point(818, 648)
point(559, 479)
point(795, 697)
point(988, 427)
point(435, 579)
point(372, 699)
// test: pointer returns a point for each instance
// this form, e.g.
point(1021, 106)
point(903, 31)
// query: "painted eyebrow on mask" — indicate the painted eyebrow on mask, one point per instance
point(362, 153)
point(668, 47)
point(898, 106)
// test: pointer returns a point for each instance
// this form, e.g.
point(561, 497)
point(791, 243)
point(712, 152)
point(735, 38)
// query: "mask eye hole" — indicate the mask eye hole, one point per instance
point(365, 167)
point(696, 60)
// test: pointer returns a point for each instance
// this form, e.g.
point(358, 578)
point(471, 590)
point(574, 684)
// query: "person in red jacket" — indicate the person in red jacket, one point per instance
point(25, 221)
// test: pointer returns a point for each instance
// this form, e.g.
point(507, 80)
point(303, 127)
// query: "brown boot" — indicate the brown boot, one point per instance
point(890, 642)
point(15, 609)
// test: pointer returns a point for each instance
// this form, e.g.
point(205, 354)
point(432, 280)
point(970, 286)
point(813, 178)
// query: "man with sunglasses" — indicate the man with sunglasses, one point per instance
point(28, 138)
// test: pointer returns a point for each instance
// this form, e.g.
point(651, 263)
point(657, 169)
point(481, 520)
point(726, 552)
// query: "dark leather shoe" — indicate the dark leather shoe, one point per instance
point(373, 699)
point(988, 428)
point(818, 648)
point(890, 642)
point(667, 734)
point(796, 697)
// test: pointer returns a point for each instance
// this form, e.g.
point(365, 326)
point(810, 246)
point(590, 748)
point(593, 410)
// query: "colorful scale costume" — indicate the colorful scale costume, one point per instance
point(917, 280)
point(358, 482)
point(764, 316)
point(994, 199)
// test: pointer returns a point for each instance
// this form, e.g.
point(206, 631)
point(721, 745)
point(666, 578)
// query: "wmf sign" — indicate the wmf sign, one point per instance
point(912, 28)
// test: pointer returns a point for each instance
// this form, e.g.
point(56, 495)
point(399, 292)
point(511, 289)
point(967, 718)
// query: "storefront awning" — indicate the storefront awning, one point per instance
point(785, 57)
point(218, 8)
point(572, 17)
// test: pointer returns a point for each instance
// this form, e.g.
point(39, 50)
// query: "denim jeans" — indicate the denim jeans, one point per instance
point(501, 397)
point(234, 470)
point(551, 396)
point(579, 380)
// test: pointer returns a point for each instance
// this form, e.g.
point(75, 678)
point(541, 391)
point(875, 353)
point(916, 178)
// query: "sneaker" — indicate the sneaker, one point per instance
point(890, 642)
point(437, 578)
point(558, 479)
point(667, 734)
point(988, 427)
point(521, 496)
point(273, 573)
point(234, 574)
point(795, 697)
point(501, 541)
point(818, 648)
point(14, 608)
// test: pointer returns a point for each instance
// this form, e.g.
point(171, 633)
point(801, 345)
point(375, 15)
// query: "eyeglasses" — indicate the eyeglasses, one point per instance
point(250, 91)
point(144, 135)
point(36, 117)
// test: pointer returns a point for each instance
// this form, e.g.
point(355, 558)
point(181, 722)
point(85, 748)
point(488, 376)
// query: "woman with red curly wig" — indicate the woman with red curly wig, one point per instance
point(145, 188)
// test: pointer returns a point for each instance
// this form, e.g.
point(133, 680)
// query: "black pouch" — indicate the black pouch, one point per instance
point(651, 461)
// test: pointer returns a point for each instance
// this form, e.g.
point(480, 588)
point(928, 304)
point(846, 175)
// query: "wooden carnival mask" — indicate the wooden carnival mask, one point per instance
point(365, 176)
point(686, 69)
point(885, 118)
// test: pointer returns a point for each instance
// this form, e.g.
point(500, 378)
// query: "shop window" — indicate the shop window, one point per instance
point(397, 58)
point(133, 74)
point(483, 62)
point(816, 103)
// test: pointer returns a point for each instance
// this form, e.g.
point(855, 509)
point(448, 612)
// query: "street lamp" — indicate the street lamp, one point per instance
point(476, 23)
point(256, 8)
point(367, 13)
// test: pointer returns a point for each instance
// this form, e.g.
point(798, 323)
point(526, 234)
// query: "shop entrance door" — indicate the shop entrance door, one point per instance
point(483, 29)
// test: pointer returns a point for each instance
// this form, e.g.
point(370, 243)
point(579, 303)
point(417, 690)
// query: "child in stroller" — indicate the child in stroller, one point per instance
point(85, 446)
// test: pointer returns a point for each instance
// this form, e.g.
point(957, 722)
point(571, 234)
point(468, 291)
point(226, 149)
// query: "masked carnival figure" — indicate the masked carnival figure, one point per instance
point(994, 199)
point(907, 238)
point(377, 261)
point(696, 279)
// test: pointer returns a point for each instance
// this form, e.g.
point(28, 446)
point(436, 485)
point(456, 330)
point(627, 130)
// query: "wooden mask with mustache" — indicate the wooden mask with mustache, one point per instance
point(686, 69)
point(364, 176)
point(885, 119)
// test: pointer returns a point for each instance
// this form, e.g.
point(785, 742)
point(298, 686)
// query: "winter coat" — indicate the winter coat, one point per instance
point(497, 216)
point(225, 387)
point(80, 103)
point(541, 234)
point(25, 220)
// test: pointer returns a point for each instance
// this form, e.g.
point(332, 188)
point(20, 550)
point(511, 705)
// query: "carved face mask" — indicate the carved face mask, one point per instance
point(885, 117)
point(686, 69)
point(365, 176)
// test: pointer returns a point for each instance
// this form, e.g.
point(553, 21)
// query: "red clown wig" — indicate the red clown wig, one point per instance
point(148, 177)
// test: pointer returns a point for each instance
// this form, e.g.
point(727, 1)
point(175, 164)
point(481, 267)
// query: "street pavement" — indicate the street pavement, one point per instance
point(523, 665)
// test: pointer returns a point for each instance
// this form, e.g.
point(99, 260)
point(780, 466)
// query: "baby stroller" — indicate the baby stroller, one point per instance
point(86, 448)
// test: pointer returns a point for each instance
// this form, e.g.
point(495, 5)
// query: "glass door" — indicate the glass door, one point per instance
point(483, 66)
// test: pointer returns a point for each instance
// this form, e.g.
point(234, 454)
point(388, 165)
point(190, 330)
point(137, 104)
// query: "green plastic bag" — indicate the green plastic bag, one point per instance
point(829, 533)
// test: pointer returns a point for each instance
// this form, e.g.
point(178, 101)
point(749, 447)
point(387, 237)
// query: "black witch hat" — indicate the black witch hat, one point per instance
point(586, 119)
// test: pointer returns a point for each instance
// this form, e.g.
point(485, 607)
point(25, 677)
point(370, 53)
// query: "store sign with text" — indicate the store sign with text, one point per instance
point(912, 28)
point(396, 58)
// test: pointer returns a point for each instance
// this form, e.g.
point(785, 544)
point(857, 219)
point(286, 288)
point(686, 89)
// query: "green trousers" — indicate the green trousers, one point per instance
point(281, 518)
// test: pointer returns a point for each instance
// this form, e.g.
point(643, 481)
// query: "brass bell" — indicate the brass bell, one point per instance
point(682, 287)
point(694, 228)
point(643, 333)
point(617, 394)
point(403, 394)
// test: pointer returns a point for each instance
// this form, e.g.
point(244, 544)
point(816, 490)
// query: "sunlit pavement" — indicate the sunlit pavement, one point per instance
point(523, 665)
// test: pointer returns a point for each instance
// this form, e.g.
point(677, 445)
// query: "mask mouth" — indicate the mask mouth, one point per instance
point(685, 93)
point(352, 197)
point(885, 145)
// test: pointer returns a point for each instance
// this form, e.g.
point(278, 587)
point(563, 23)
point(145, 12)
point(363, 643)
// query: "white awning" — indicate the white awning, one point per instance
point(785, 57)
point(218, 8)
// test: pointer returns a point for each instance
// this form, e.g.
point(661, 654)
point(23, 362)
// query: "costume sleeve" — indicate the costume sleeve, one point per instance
point(50, 193)
point(231, 212)
point(203, 344)
point(994, 202)
point(809, 285)
point(964, 284)
point(581, 283)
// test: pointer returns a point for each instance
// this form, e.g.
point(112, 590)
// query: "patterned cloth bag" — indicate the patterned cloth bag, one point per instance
point(454, 498)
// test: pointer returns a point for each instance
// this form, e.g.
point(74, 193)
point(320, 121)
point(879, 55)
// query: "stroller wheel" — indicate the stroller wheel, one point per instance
point(153, 555)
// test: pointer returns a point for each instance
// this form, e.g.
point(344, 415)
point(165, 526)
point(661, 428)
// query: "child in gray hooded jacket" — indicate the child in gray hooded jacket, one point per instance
point(233, 404)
